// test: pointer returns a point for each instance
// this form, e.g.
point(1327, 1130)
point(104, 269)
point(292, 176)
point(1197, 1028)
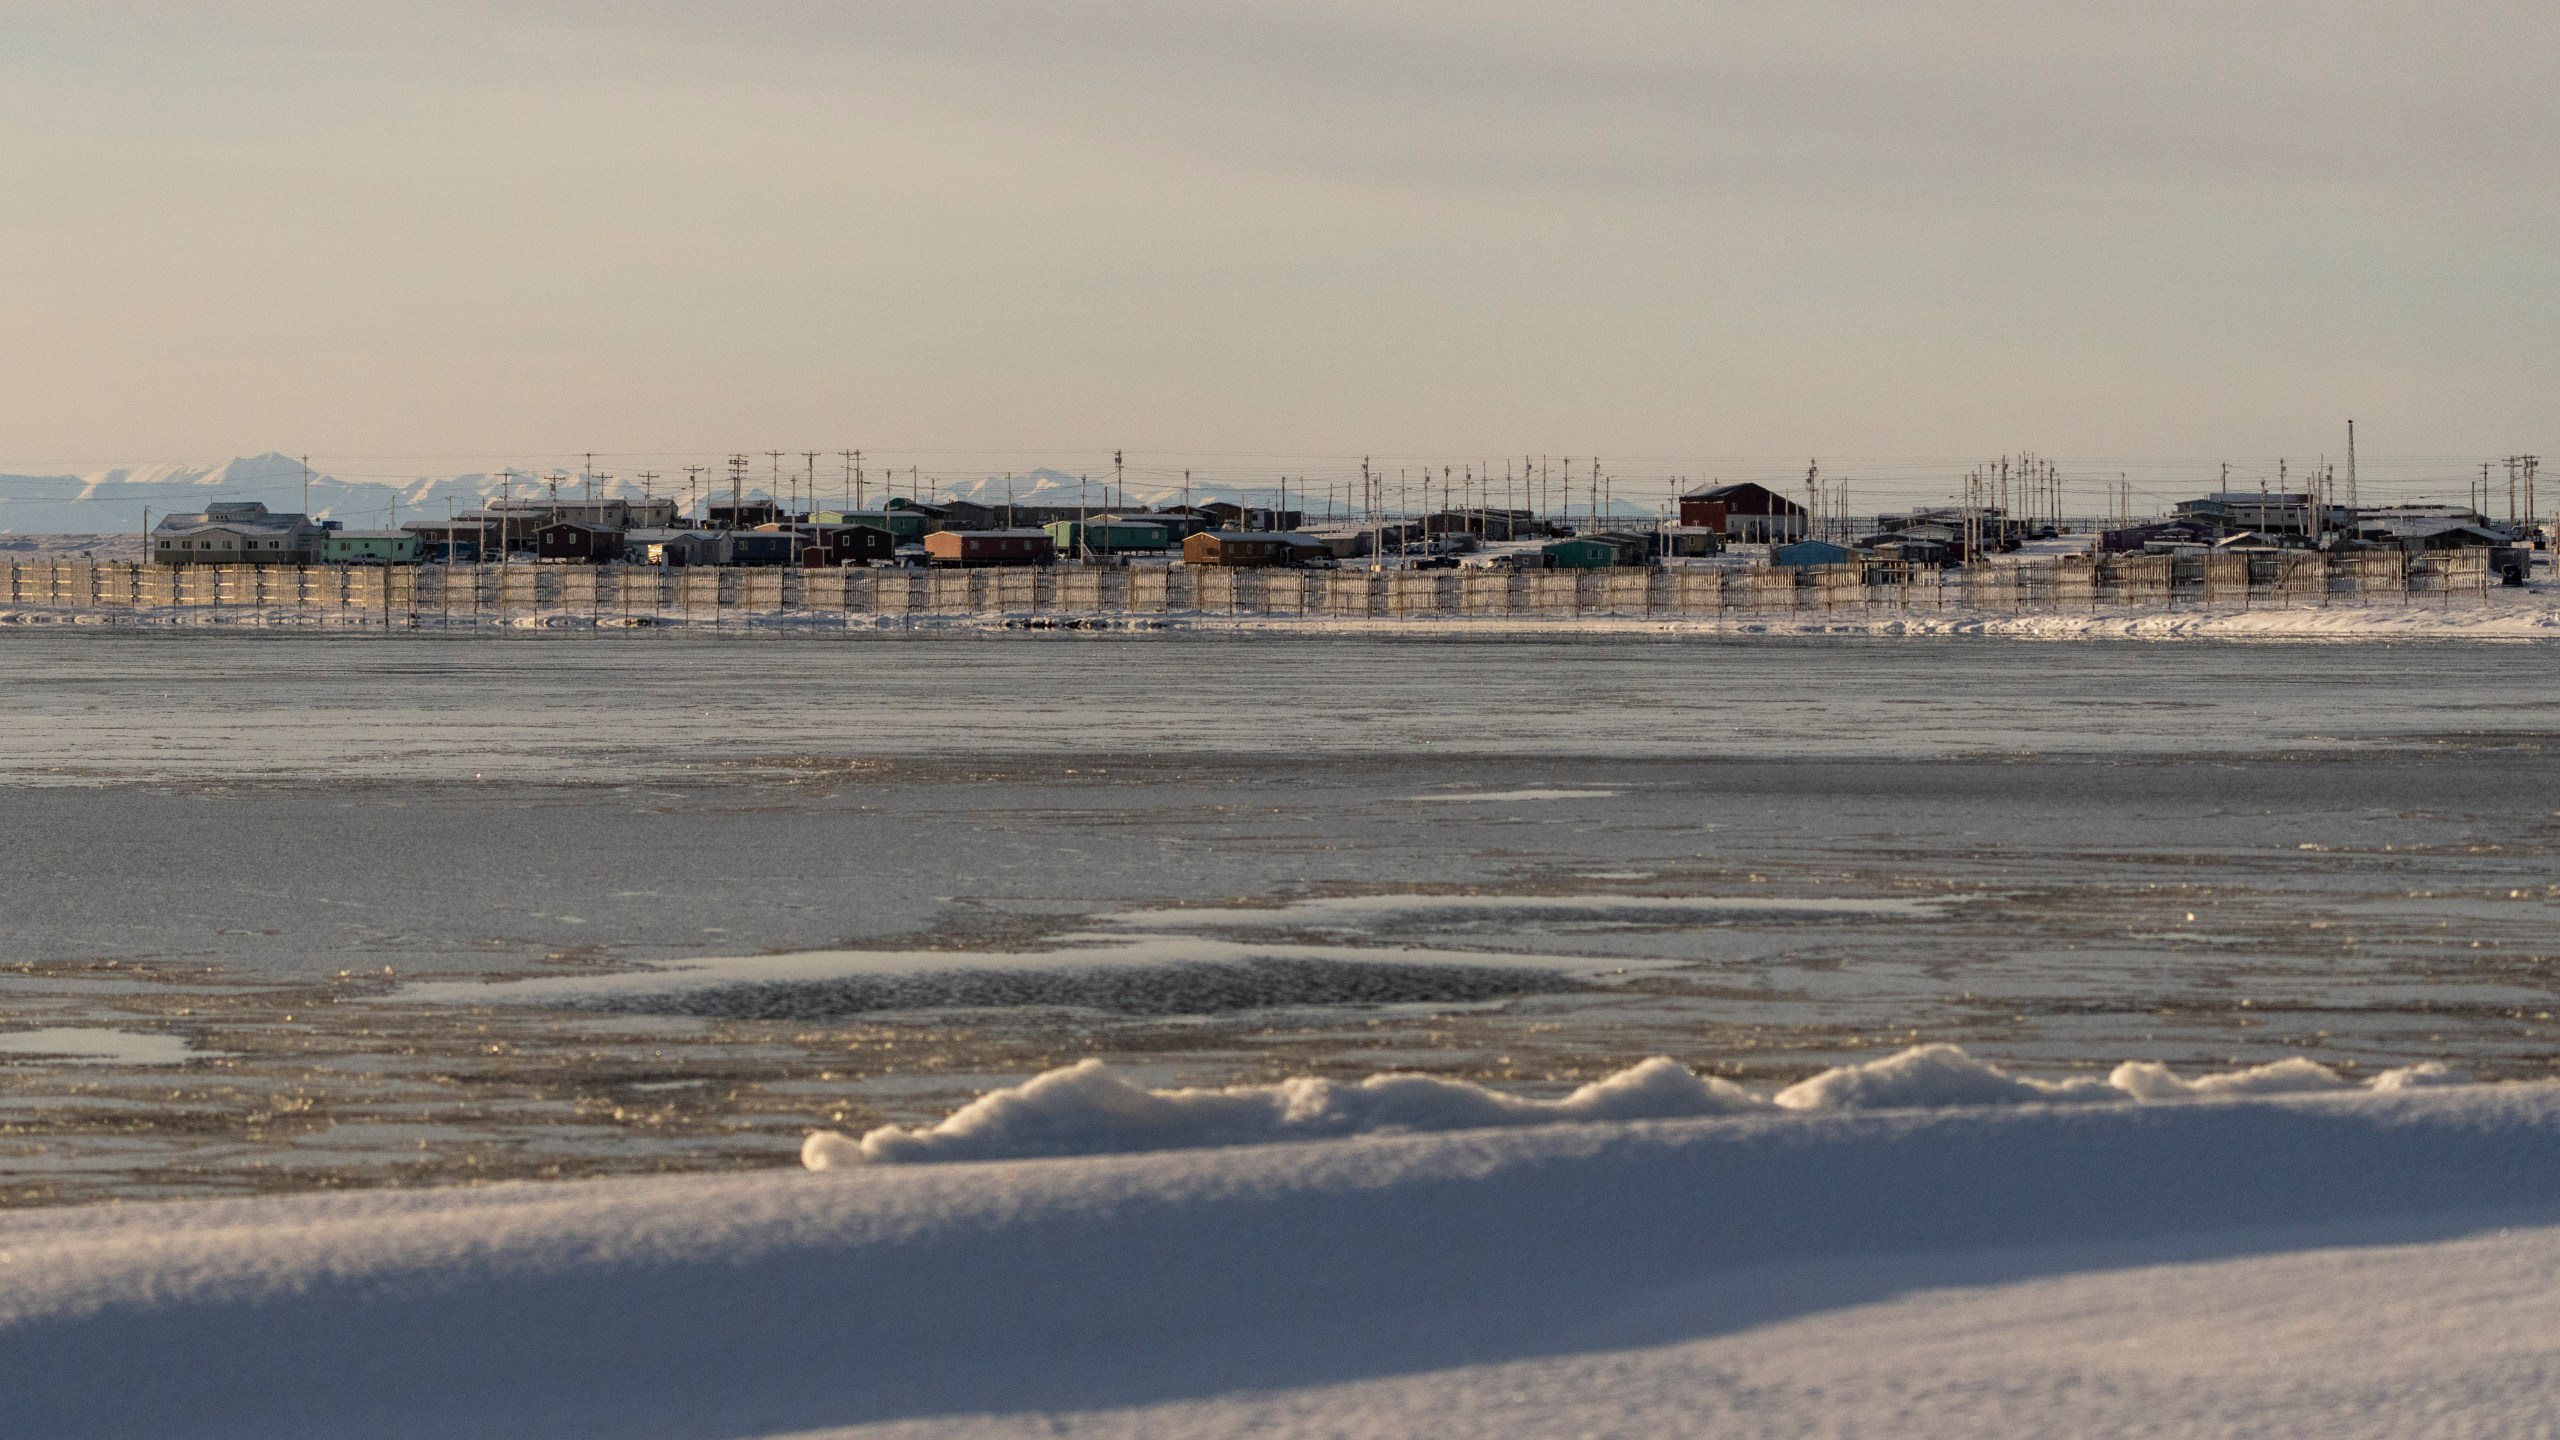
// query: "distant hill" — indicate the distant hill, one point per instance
point(112, 502)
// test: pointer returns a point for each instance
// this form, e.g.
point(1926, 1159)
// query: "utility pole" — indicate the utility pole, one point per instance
point(847, 456)
point(737, 488)
point(1118, 482)
point(2354, 500)
point(1377, 522)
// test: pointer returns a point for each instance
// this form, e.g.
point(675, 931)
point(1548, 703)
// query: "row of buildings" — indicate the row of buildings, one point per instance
point(904, 531)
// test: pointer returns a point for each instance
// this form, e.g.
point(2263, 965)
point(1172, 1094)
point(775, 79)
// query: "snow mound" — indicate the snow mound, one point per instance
point(1084, 1109)
point(2414, 1077)
point(1930, 1076)
point(2144, 1080)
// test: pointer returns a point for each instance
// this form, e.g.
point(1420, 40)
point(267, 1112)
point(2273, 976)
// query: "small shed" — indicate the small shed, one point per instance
point(1692, 541)
point(989, 547)
point(1915, 550)
point(578, 543)
point(1806, 554)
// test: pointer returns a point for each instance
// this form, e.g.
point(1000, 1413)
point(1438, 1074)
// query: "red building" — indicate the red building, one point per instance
point(1746, 512)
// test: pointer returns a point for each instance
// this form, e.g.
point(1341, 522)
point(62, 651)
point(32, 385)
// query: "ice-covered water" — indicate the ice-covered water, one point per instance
point(441, 908)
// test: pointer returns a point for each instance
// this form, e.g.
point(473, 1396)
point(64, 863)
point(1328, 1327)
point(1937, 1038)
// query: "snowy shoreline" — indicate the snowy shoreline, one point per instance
point(2526, 617)
point(2375, 1255)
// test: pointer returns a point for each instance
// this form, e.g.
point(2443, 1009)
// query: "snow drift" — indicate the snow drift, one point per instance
point(716, 1307)
point(1084, 1109)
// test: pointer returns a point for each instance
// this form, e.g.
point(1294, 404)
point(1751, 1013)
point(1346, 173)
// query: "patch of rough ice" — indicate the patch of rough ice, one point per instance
point(1151, 975)
point(1360, 909)
point(1516, 795)
point(96, 1047)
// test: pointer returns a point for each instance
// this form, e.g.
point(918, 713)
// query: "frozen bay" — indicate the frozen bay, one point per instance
point(320, 863)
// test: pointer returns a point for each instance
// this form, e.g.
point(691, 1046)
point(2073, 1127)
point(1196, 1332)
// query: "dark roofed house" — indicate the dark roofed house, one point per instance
point(1253, 548)
point(1754, 514)
point(754, 547)
point(968, 515)
point(578, 543)
point(1808, 554)
point(739, 515)
point(824, 545)
point(670, 545)
point(989, 547)
point(2137, 539)
point(1483, 522)
point(1230, 515)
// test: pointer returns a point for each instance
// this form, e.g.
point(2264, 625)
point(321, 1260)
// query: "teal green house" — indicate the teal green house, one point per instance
point(1108, 537)
point(1592, 552)
point(371, 547)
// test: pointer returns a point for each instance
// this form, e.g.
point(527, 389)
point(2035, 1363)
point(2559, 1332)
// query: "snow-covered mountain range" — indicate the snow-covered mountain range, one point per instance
point(114, 501)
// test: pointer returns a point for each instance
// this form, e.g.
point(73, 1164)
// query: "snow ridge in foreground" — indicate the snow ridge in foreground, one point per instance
point(1453, 1269)
point(1084, 1109)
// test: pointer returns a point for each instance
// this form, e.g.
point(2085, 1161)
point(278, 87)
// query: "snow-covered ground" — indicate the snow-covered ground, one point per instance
point(2361, 1261)
point(2500, 615)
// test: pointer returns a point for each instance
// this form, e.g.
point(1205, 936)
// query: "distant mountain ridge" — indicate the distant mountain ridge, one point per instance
point(113, 501)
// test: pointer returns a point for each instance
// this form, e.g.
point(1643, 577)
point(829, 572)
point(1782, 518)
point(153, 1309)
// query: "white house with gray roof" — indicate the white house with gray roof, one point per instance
point(235, 532)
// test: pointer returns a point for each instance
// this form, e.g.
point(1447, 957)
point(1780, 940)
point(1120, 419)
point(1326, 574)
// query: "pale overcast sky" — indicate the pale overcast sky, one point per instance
point(1680, 232)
